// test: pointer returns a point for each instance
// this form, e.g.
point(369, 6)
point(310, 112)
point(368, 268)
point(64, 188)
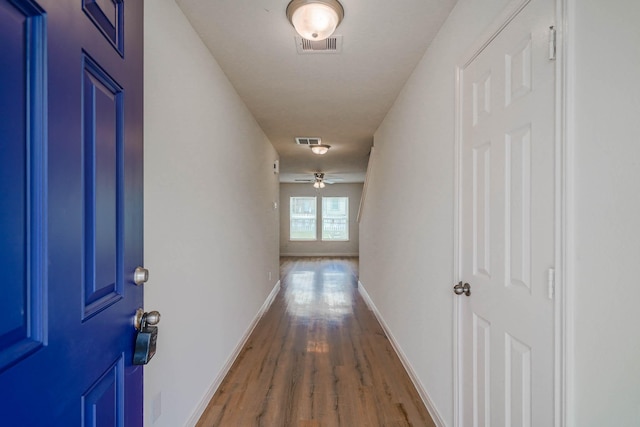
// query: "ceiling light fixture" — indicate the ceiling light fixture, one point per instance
point(319, 180)
point(320, 148)
point(315, 19)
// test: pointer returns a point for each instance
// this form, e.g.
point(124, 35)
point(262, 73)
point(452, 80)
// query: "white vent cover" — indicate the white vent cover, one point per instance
point(332, 44)
point(304, 140)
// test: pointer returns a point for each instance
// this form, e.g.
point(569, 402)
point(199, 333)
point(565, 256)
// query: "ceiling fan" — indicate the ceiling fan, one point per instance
point(319, 180)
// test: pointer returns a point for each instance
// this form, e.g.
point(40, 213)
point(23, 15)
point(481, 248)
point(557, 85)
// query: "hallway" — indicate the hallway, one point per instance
point(318, 358)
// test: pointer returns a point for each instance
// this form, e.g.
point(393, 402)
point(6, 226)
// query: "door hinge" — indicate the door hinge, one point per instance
point(552, 43)
point(551, 282)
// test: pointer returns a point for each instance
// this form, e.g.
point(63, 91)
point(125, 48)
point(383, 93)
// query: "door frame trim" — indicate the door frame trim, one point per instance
point(564, 246)
point(563, 308)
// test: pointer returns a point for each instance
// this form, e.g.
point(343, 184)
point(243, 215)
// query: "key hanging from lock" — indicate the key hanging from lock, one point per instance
point(147, 337)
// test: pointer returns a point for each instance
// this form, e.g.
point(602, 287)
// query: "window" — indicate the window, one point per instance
point(302, 218)
point(335, 218)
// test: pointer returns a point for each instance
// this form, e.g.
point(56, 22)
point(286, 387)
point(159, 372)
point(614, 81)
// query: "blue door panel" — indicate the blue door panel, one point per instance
point(103, 118)
point(108, 16)
point(13, 182)
point(103, 403)
point(71, 212)
point(21, 181)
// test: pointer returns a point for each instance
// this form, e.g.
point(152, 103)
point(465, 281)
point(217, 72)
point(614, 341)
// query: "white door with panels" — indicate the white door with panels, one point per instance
point(506, 223)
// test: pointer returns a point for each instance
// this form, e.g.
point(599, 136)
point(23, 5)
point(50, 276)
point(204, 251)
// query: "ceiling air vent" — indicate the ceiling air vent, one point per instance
point(332, 44)
point(308, 141)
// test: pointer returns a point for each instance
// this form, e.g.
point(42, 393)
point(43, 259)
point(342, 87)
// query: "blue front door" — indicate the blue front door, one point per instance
point(70, 212)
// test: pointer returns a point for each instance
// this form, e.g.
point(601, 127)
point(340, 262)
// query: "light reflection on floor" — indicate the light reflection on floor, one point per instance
point(319, 295)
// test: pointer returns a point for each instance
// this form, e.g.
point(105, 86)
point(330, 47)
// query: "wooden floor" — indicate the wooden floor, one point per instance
point(317, 358)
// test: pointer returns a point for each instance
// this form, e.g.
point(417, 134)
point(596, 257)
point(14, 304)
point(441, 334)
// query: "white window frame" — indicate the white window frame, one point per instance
point(303, 217)
point(342, 219)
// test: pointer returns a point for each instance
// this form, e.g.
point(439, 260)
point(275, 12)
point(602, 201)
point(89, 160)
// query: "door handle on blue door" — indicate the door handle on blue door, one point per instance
point(145, 346)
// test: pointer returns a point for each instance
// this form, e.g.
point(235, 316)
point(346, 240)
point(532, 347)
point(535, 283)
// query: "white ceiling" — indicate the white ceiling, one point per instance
point(339, 97)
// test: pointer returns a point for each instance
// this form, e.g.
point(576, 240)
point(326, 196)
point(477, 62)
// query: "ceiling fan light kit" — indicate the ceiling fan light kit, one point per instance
point(318, 180)
point(315, 19)
point(320, 149)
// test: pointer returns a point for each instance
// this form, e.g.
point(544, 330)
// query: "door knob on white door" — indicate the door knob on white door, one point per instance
point(460, 289)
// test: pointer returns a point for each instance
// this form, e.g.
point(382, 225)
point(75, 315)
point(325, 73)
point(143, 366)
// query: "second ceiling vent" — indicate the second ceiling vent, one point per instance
point(332, 44)
point(305, 140)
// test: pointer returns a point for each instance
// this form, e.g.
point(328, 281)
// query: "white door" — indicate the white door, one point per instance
point(506, 217)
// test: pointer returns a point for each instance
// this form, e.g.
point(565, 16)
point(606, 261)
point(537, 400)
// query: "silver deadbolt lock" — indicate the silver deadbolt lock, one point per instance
point(140, 276)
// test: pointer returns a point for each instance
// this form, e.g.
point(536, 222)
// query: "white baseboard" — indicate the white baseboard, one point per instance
point(195, 417)
point(317, 254)
point(426, 399)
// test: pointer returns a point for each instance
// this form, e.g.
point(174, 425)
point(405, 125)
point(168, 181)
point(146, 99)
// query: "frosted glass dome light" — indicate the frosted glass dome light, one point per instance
point(315, 19)
point(320, 149)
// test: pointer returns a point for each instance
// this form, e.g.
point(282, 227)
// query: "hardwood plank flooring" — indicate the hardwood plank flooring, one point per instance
point(317, 358)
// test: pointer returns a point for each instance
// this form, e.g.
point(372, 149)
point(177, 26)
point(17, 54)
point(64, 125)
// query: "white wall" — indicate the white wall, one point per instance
point(211, 234)
point(406, 233)
point(350, 248)
point(605, 76)
point(204, 214)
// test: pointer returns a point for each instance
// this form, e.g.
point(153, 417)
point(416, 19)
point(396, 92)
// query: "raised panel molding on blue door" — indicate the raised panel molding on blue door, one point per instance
point(108, 16)
point(22, 182)
point(102, 103)
point(103, 402)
